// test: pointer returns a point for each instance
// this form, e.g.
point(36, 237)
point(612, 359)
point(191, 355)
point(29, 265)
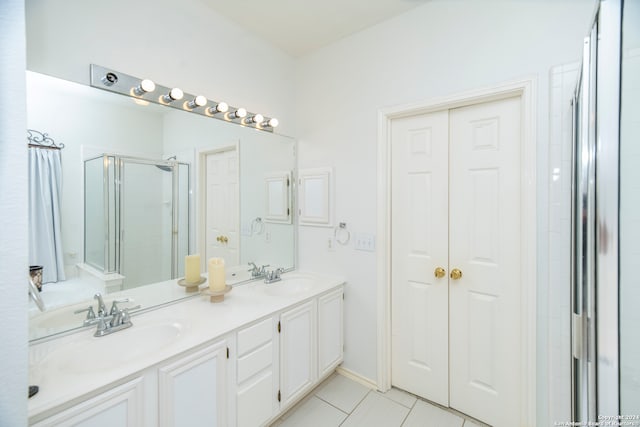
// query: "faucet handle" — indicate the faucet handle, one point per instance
point(114, 306)
point(90, 315)
point(126, 315)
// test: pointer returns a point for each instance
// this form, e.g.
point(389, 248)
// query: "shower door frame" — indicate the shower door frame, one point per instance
point(116, 199)
point(595, 339)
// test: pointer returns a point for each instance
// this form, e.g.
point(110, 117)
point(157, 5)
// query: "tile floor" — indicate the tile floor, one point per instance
point(342, 402)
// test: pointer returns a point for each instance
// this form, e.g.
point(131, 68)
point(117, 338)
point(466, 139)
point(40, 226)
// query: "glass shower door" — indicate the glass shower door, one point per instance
point(146, 212)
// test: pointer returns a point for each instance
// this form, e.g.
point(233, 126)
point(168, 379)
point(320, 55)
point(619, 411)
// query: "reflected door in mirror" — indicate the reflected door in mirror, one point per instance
point(221, 208)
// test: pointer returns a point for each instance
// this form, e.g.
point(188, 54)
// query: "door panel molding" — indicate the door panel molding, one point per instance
point(526, 90)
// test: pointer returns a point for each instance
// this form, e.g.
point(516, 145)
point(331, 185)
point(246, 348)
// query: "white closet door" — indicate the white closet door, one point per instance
point(419, 245)
point(222, 207)
point(484, 239)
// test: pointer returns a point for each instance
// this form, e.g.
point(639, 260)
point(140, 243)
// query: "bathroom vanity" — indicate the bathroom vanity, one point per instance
point(241, 362)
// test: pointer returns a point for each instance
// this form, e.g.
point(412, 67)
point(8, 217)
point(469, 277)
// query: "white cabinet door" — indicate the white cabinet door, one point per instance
point(257, 374)
point(120, 406)
point(193, 389)
point(297, 352)
point(329, 332)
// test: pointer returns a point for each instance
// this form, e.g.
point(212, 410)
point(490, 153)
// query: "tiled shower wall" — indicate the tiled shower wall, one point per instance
point(563, 80)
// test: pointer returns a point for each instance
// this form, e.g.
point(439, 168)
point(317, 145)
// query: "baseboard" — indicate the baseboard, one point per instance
point(357, 378)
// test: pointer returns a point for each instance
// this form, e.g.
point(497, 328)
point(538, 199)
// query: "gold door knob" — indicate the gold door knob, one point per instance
point(219, 239)
point(225, 239)
point(456, 274)
point(439, 272)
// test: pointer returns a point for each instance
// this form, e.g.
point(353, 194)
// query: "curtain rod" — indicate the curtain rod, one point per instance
point(42, 140)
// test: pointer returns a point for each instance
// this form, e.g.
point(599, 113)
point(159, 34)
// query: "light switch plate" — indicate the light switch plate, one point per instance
point(364, 242)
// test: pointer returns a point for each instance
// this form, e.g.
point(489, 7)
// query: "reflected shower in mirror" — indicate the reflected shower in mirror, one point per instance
point(142, 188)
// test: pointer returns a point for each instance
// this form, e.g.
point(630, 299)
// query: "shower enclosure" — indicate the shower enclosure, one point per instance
point(605, 226)
point(136, 217)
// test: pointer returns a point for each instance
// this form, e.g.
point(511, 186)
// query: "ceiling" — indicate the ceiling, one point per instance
point(301, 26)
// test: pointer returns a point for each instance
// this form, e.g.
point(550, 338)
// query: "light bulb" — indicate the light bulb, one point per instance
point(258, 118)
point(221, 107)
point(238, 114)
point(145, 86)
point(174, 94)
point(273, 122)
point(198, 101)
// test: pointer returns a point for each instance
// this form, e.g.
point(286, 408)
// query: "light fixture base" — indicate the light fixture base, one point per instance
point(124, 84)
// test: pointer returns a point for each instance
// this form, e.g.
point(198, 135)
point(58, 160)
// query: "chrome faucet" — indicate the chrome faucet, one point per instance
point(257, 271)
point(273, 275)
point(102, 309)
point(34, 293)
point(117, 321)
point(114, 320)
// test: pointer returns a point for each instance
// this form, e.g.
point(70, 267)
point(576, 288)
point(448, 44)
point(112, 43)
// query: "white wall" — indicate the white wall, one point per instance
point(629, 205)
point(175, 43)
point(13, 217)
point(438, 49)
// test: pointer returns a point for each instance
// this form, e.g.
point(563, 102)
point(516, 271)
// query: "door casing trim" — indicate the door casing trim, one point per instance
point(526, 90)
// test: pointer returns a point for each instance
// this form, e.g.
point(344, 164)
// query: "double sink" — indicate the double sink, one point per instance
point(87, 354)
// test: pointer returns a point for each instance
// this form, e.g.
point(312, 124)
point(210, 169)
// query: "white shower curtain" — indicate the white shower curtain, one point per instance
point(45, 239)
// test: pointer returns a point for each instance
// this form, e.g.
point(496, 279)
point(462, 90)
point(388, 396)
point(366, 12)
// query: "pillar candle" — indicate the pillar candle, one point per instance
point(216, 275)
point(192, 268)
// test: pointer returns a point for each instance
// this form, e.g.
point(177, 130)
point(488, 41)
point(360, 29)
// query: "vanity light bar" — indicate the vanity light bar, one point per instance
point(145, 89)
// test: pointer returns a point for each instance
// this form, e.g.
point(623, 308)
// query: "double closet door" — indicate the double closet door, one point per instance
point(456, 258)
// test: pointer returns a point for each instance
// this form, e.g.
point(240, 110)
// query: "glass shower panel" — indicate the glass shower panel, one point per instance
point(182, 220)
point(94, 213)
point(629, 207)
point(146, 223)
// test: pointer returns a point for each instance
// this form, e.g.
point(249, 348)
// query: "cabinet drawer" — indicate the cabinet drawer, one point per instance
point(254, 362)
point(254, 336)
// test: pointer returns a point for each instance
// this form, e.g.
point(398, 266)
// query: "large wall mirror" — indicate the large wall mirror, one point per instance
point(142, 186)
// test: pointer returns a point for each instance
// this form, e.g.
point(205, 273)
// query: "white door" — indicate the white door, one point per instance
point(455, 205)
point(222, 207)
point(484, 243)
point(419, 210)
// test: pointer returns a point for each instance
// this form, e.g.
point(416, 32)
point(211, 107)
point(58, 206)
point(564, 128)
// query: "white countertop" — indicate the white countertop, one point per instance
point(200, 320)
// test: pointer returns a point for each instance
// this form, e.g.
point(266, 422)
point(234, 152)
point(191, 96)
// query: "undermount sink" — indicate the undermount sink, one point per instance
point(289, 285)
point(97, 354)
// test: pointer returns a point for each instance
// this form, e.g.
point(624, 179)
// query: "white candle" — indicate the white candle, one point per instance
point(192, 268)
point(216, 274)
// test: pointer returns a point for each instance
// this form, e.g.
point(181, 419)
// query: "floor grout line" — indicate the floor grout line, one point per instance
point(465, 418)
point(332, 405)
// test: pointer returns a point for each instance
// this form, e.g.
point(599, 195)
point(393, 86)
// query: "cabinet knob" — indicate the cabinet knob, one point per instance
point(456, 274)
point(439, 272)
